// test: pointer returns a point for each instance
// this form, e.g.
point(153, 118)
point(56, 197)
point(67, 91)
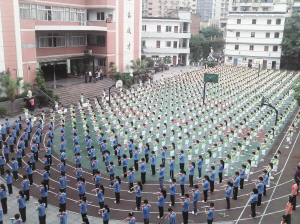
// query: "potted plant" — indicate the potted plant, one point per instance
point(81, 69)
point(23, 104)
point(167, 62)
point(75, 71)
point(42, 99)
point(3, 111)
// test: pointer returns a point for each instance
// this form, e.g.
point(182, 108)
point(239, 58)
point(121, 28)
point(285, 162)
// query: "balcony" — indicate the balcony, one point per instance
point(166, 35)
point(70, 28)
point(262, 54)
point(101, 3)
point(170, 50)
point(249, 40)
point(255, 27)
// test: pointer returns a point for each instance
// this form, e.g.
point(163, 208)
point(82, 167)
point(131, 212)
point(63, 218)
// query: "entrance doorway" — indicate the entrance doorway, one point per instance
point(60, 71)
point(273, 64)
point(264, 64)
point(235, 61)
point(174, 60)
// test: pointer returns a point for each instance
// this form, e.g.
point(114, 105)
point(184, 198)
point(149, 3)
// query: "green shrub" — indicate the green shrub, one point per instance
point(210, 63)
point(3, 110)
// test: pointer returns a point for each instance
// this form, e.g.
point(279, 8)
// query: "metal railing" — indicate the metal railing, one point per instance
point(49, 99)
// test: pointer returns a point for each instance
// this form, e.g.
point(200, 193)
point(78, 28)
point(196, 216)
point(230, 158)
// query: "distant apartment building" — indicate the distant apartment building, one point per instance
point(191, 4)
point(159, 8)
point(58, 34)
point(255, 36)
point(167, 37)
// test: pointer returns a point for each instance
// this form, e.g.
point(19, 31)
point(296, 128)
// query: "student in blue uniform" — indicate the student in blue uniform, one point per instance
point(3, 198)
point(253, 201)
point(172, 216)
point(41, 207)
point(153, 162)
point(8, 179)
point(106, 214)
point(210, 213)
point(14, 165)
point(143, 170)
point(131, 179)
point(117, 189)
point(63, 217)
point(25, 184)
point(228, 192)
point(205, 188)
point(161, 203)
point(212, 179)
point(22, 205)
point(62, 199)
point(185, 208)
point(195, 194)
point(146, 211)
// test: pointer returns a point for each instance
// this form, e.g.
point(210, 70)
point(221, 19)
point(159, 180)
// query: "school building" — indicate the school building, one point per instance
point(70, 36)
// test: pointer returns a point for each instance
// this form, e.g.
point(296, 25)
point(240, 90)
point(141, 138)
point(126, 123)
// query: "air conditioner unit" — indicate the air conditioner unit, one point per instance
point(88, 52)
point(83, 23)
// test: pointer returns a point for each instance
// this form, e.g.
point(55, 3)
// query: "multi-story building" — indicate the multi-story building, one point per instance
point(205, 8)
point(167, 37)
point(159, 8)
point(255, 35)
point(191, 4)
point(59, 34)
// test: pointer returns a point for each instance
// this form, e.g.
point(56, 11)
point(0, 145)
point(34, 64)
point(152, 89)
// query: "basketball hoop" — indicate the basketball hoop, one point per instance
point(119, 84)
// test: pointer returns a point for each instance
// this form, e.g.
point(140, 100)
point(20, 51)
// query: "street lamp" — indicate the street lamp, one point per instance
point(54, 76)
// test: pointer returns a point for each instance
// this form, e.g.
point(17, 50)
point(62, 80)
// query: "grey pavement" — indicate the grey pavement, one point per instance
point(52, 211)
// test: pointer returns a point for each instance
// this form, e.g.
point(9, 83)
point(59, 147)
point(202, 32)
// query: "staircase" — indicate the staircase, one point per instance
point(71, 94)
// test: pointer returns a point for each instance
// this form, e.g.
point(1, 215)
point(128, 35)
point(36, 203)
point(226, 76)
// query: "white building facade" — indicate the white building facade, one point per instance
point(254, 36)
point(163, 37)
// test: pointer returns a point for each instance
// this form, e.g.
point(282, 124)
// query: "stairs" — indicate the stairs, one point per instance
point(71, 94)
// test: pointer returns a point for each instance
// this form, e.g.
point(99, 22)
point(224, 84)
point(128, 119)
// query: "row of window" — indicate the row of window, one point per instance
point(167, 44)
point(269, 21)
point(51, 13)
point(251, 48)
point(47, 40)
point(276, 35)
point(158, 29)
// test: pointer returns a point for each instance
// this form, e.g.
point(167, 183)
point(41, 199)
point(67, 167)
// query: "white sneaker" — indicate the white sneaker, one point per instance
point(198, 177)
point(136, 209)
point(245, 180)
point(231, 168)
point(203, 201)
point(115, 202)
point(158, 217)
point(226, 175)
point(251, 172)
point(193, 212)
point(272, 178)
point(170, 204)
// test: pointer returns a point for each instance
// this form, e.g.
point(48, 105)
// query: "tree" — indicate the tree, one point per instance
point(296, 88)
point(211, 32)
point(112, 68)
point(10, 88)
point(291, 40)
point(150, 63)
point(139, 66)
point(196, 47)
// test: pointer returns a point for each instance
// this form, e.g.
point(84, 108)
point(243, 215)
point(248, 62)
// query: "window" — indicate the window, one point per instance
point(158, 44)
point(25, 11)
point(267, 35)
point(269, 21)
point(168, 43)
point(229, 58)
point(149, 14)
point(44, 12)
point(144, 28)
point(175, 29)
point(52, 40)
point(76, 15)
point(238, 21)
point(252, 34)
point(58, 13)
point(237, 34)
point(278, 21)
point(275, 48)
point(149, 8)
point(100, 16)
point(276, 35)
point(253, 21)
point(175, 44)
point(251, 47)
point(266, 48)
point(102, 62)
point(101, 41)
point(158, 28)
point(143, 43)
point(236, 47)
point(168, 29)
point(78, 39)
